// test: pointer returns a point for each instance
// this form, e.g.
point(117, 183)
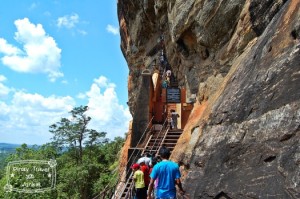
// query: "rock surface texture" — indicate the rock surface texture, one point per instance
point(242, 60)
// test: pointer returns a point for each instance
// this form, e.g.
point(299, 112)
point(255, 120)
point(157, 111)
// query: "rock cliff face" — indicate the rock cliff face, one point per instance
point(242, 60)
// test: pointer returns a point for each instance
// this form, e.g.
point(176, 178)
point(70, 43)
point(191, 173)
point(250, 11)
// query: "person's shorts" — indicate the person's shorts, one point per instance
point(141, 193)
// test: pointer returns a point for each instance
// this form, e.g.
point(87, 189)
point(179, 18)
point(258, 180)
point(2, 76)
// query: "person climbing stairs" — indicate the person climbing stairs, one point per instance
point(156, 141)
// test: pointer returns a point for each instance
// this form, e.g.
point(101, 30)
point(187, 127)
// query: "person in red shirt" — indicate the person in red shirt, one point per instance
point(145, 169)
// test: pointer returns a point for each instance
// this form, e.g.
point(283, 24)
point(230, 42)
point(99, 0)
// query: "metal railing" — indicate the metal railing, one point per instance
point(158, 136)
point(113, 186)
point(162, 141)
point(114, 190)
point(151, 136)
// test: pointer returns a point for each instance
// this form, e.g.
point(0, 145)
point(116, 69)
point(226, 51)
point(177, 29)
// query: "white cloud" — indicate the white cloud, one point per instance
point(41, 103)
point(40, 52)
point(28, 117)
point(4, 90)
point(82, 32)
point(103, 82)
point(68, 21)
point(8, 49)
point(2, 78)
point(104, 109)
point(81, 96)
point(112, 29)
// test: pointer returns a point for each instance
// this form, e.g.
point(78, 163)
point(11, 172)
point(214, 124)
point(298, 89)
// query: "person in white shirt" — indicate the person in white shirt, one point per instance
point(145, 159)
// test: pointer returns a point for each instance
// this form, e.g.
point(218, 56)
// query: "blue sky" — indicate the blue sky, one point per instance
point(56, 55)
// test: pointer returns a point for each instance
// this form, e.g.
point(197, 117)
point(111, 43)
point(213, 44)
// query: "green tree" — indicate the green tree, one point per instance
point(24, 152)
point(108, 156)
point(71, 133)
point(79, 168)
point(86, 160)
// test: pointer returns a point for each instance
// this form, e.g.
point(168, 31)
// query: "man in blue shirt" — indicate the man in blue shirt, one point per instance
point(168, 175)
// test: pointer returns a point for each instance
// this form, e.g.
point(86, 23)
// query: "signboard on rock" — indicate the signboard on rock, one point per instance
point(173, 95)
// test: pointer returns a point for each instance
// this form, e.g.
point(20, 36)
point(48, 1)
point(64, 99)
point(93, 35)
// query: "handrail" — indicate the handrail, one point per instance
point(123, 186)
point(151, 136)
point(139, 140)
point(162, 141)
point(129, 191)
point(103, 193)
point(120, 190)
point(131, 185)
point(157, 138)
point(108, 191)
point(126, 184)
point(147, 143)
point(124, 170)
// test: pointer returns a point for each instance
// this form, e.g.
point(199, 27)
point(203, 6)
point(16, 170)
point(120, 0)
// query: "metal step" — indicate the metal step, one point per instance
point(170, 141)
point(174, 132)
point(169, 144)
point(155, 142)
point(172, 136)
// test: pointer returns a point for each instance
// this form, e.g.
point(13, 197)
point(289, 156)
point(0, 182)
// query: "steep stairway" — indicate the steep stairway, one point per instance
point(128, 189)
point(166, 138)
point(170, 139)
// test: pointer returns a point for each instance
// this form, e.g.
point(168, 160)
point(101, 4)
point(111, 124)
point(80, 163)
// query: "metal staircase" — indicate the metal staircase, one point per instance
point(112, 189)
point(170, 139)
point(165, 137)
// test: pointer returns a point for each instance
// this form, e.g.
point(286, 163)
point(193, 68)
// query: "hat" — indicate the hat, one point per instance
point(135, 166)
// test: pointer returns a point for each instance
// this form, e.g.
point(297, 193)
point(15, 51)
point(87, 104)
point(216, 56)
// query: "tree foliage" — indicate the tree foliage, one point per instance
point(86, 159)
